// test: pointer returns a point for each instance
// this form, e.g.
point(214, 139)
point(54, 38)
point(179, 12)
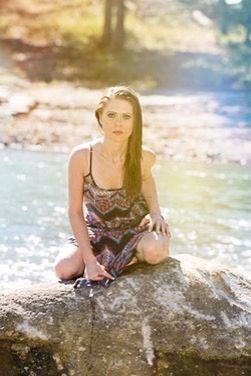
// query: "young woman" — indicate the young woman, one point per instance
point(122, 222)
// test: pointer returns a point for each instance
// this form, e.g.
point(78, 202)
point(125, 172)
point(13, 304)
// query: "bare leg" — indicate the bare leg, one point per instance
point(69, 263)
point(153, 248)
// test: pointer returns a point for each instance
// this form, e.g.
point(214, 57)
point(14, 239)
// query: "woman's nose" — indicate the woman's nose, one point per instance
point(118, 120)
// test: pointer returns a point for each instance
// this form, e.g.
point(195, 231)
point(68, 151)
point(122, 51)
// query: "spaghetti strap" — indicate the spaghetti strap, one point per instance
point(90, 167)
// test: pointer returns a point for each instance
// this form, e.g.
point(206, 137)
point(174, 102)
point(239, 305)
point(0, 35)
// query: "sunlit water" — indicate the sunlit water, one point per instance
point(208, 208)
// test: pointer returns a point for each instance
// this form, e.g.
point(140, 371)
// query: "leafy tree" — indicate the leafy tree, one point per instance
point(226, 14)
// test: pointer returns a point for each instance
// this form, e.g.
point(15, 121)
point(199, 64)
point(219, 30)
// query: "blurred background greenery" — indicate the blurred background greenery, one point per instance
point(201, 44)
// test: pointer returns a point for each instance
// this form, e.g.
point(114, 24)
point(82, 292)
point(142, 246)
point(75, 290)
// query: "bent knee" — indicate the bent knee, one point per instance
point(155, 258)
point(156, 253)
point(64, 271)
point(60, 271)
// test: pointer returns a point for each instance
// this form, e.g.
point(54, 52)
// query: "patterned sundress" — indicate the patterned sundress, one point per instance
point(112, 221)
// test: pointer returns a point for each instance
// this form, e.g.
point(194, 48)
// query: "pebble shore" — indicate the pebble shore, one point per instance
point(177, 125)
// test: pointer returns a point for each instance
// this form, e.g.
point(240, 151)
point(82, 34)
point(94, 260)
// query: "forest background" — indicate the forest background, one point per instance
point(199, 44)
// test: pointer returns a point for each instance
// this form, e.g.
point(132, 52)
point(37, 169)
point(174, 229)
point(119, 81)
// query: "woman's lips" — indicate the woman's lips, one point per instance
point(117, 132)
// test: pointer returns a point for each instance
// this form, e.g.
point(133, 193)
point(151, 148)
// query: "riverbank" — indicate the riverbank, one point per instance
point(179, 125)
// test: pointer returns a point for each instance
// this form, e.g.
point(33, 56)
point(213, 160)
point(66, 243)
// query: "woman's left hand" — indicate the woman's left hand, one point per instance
point(158, 224)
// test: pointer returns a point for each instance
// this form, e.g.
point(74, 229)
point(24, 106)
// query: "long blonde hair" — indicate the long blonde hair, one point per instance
point(132, 179)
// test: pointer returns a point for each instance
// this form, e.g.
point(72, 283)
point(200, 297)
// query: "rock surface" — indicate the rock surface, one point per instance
point(186, 316)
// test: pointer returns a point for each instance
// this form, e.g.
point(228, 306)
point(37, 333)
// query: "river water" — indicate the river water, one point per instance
point(207, 206)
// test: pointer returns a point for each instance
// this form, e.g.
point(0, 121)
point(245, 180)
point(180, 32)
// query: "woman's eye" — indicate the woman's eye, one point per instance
point(111, 115)
point(127, 117)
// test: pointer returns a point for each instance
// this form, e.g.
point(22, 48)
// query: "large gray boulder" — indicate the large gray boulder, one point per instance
point(184, 317)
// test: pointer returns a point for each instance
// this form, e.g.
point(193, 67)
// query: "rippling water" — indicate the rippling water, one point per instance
point(208, 208)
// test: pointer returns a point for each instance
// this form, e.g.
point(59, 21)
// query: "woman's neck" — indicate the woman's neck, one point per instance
point(113, 151)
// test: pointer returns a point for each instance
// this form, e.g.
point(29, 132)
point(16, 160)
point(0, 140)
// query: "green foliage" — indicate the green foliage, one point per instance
point(164, 32)
point(165, 48)
point(75, 27)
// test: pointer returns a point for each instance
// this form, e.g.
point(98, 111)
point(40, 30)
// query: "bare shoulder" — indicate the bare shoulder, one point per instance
point(148, 160)
point(79, 157)
point(148, 156)
point(80, 149)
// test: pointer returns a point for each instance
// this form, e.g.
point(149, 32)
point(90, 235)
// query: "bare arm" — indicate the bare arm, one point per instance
point(148, 184)
point(76, 164)
point(149, 191)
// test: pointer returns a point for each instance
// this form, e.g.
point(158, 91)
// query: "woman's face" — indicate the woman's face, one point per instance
point(117, 119)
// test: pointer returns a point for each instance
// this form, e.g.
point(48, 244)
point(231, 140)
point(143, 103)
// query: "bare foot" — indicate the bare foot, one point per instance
point(133, 261)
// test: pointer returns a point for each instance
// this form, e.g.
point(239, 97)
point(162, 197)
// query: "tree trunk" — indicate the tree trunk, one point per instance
point(247, 19)
point(247, 37)
point(119, 33)
point(223, 14)
point(107, 28)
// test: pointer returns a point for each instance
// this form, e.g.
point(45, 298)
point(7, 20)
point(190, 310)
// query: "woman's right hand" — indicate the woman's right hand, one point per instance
point(95, 271)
